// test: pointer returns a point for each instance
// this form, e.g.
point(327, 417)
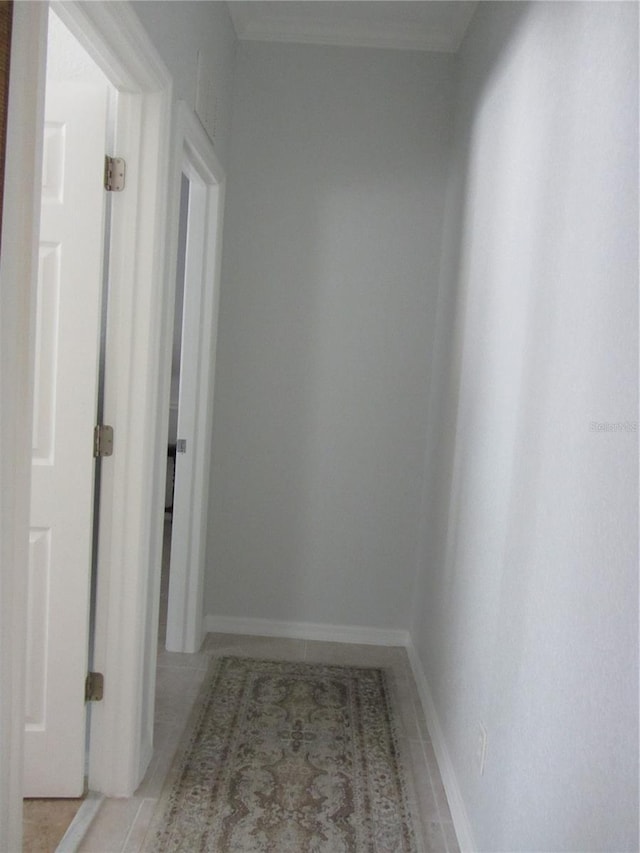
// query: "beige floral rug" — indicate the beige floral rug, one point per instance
point(289, 758)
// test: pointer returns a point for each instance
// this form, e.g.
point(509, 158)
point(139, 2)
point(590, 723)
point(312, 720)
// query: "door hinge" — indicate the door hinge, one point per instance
point(94, 687)
point(102, 440)
point(114, 169)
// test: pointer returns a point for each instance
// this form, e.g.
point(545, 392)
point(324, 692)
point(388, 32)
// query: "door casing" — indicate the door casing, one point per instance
point(18, 282)
point(132, 509)
point(132, 495)
point(193, 155)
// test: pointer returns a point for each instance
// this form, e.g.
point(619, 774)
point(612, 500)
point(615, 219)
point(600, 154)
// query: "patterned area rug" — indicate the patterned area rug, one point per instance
point(289, 758)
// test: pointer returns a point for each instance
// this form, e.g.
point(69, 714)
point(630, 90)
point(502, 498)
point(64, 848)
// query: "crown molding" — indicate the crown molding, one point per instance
point(292, 29)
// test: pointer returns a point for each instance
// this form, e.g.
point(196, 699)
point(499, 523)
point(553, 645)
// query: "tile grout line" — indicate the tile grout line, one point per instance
point(133, 823)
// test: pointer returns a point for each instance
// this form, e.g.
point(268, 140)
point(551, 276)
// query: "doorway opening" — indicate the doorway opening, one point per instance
point(199, 184)
point(174, 406)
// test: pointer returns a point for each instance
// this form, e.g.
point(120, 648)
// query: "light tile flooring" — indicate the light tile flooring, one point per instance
point(121, 825)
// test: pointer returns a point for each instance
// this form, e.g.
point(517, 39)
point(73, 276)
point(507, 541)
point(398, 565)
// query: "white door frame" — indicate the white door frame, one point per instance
point(132, 502)
point(18, 288)
point(132, 508)
point(194, 155)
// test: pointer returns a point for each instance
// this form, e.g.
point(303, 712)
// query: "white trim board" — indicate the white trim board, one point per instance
point(461, 822)
point(79, 826)
point(132, 513)
point(307, 631)
point(18, 277)
point(290, 23)
point(194, 155)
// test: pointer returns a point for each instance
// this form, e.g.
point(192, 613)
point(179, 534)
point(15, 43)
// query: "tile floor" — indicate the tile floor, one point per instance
point(121, 825)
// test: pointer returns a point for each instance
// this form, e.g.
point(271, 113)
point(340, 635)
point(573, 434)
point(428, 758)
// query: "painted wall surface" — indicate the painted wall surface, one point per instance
point(330, 271)
point(527, 607)
point(180, 30)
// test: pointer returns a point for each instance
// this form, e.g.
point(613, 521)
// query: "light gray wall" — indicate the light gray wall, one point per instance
point(330, 271)
point(526, 614)
point(179, 30)
point(525, 617)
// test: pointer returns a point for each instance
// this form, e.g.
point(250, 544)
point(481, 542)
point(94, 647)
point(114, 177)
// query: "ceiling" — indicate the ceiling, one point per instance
point(437, 25)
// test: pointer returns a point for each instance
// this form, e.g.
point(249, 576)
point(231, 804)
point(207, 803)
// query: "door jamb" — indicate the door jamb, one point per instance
point(131, 519)
point(18, 283)
point(194, 154)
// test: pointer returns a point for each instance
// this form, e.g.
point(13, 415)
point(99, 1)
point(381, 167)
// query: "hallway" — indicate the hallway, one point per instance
point(423, 436)
point(121, 825)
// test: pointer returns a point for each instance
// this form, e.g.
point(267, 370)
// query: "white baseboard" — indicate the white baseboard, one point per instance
point(306, 631)
point(449, 779)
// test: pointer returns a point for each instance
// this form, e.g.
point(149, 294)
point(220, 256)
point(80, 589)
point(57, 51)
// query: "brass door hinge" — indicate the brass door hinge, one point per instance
point(114, 173)
point(94, 687)
point(102, 440)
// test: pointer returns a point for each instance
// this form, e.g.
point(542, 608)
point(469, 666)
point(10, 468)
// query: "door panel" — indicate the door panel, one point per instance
point(66, 369)
point(186, 540)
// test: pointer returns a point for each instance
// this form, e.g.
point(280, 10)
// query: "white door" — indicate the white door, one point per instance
point(186, 539)
point(66, 370)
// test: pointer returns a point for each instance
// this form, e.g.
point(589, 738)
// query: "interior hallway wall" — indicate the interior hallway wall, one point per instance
point(526, 617)
point(330, 268)
point(181, 30)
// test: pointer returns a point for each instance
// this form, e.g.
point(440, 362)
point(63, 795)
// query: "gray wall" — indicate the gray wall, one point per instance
point(330, 271)
point(179, 30)
point(526, 616)
point(334, 375)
